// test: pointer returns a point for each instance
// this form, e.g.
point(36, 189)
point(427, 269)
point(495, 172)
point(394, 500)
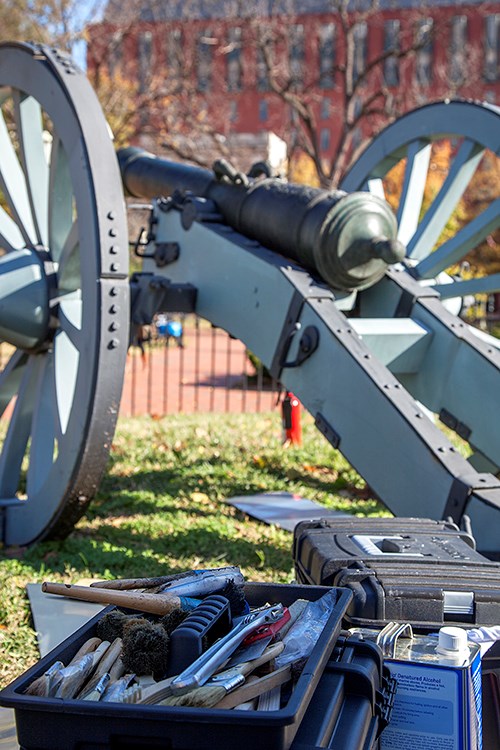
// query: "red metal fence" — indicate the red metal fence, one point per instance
point(210, 372)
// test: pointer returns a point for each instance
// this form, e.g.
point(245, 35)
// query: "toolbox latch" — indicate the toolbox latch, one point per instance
point(385, 700)
point(458, 602)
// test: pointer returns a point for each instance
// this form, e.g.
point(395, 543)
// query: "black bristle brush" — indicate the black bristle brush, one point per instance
point(111, 625)
point(171, 621)
point(145, 648)
point(235, 594)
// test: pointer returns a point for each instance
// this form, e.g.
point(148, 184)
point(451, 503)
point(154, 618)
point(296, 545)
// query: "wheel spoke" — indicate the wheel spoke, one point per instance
point(70, 318)
point(45, 433)
point(461, 172)
point(28, 117)
point(375, 186)
point(69, 266)
point(10, 378)
point(478, 285)
point(60, 199)
point(412, 193)
point(18, 432)
point(457, 247)
point(11, 237)
point(67, 358)
point(13, 183)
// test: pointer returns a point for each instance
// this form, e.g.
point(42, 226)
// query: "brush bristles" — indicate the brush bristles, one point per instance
point(204, 697)
point(111, 625)
point(42, 685)
point(236, 596)
point(171, 621)
point(145, 648)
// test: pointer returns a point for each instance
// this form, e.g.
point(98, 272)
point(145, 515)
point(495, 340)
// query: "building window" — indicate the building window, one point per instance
point(326, 55)
point(458, 46)
point(324, 139)
point(391, 44)
point(325, 110)
point(233, 60)
point(263, 110)
point(174, 54)
point(296, 54)
point(423, 40)
point(115, 54)
point(145, 55)
point(261, 70)
point(204, 60)
point(233, 111)
point(360, 31)
point(491, 47)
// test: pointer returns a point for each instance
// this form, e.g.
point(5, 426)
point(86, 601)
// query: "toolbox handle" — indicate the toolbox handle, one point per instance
point(388, 637)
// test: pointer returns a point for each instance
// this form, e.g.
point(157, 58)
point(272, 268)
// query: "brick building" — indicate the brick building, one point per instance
point(249, 68)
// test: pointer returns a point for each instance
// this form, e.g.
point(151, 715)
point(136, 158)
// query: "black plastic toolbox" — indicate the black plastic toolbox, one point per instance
point(400, 569)
point(353, 701)
point(55, 724)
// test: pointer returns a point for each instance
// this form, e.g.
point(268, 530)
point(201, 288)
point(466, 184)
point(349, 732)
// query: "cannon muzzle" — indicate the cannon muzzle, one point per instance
point(348, 239)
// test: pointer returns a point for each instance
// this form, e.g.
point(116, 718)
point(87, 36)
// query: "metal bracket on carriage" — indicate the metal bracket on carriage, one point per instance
point(151, 294)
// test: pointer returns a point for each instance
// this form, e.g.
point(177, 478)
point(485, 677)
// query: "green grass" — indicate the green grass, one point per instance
point(160, 509)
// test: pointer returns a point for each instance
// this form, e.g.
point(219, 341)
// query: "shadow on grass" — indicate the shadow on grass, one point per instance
point(128, 552)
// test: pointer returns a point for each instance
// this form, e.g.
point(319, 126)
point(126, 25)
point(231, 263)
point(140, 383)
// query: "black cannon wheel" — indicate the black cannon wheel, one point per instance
point(64, 294)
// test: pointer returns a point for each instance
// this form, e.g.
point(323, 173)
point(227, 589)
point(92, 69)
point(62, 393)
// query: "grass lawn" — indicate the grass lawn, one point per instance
point(160, 509)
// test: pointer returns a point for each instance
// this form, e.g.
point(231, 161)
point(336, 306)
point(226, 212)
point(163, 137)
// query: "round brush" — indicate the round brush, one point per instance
point(111, 625)
point(145, 648)
point(235, 594)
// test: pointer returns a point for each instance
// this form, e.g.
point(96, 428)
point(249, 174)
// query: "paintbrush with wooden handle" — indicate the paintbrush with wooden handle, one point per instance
point(75, 675)
point(256, 687)
point(94, 688)
point(47, 683)
point(222, 683)
point(156, 604)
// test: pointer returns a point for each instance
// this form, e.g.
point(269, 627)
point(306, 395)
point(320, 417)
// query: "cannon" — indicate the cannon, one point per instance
point(317, 284)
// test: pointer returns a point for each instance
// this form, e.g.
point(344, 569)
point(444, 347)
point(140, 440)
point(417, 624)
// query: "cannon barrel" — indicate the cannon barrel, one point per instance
point(349, 239)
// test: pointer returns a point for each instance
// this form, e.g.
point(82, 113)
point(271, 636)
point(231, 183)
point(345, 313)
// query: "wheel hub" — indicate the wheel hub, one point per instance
point(24, 299)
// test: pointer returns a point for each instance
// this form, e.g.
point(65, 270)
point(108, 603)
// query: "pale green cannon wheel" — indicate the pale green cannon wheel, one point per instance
point(474, 129)
point(64, 293)
point(438, 237)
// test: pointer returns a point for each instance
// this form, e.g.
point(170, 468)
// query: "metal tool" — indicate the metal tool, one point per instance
point(205, 666)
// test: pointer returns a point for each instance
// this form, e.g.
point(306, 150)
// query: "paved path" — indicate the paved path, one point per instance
point(210, 374)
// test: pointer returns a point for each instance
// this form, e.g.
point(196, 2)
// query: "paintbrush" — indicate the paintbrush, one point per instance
point(157, 604)
point(196, 583)
point(75, 675)
point(87, 648)
point(95, 687)
point(256, 688)
point(117, 691)
point(43, 685)
point(213, 691)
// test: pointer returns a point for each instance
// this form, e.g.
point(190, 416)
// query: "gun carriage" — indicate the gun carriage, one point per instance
point(347, 303)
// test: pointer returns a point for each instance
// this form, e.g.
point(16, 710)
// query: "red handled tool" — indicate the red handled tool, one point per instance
point(270, 630)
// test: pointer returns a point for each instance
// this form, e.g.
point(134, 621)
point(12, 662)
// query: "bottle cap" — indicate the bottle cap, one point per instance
point(452, 641)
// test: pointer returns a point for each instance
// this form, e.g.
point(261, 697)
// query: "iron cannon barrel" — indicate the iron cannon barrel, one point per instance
point(349, 239)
